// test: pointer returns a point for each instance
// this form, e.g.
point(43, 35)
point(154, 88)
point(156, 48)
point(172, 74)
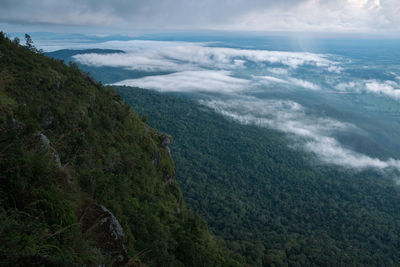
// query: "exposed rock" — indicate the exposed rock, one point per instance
point(165, 141)
point(58, 84)
point(44, 141)
point(91, 79)
point(56, 157)
point(169, 181)
point(105, 232)
point(156, 159)
point(44, 145)
point(47, 119)
point(169, 151)
point(177, 209)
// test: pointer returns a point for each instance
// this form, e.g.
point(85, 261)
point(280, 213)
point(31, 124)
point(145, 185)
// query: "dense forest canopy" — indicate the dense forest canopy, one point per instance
point(273, 204)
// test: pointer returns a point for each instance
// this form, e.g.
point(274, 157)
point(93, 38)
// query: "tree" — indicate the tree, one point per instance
point(29, 43)
point(16, 40)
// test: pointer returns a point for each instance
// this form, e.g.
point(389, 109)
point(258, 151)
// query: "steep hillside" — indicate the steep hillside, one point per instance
point(83, 180)
point(273, 204)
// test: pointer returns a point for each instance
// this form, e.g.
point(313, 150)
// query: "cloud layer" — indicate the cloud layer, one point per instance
point(386, 88)
point(264, 15)
point(313, 134)
point(191, 81)
point(158, 55)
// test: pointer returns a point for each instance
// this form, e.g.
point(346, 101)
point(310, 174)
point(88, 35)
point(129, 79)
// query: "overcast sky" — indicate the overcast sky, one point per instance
point(367, 16)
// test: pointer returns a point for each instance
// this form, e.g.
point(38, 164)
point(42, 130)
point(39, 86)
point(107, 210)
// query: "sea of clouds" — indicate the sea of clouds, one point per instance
point(235, 73)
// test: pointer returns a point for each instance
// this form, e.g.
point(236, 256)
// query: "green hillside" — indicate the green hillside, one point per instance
point(273, 204)
point(83, 180)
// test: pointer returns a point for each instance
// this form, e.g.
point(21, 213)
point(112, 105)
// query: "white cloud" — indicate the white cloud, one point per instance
point(386, 88)
point(335, 68)
point(158, 55)
point(278, 71)
point(293, 81)
point(191, 81)
point(314, 134)
point(327, 16)
point(132, 61)
point(269, 79)
point(304, 84)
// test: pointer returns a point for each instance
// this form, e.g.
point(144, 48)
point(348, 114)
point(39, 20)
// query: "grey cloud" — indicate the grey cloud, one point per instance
point(143, 13)
point(338, 15)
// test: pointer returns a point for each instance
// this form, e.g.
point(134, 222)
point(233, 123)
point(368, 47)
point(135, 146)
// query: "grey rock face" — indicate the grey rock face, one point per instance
point(156, 159)
point(44, 141)
point(169, 151)
point(165, 141)
point(56, 157)
point(44, 145)
point(114, 227)
point(105, 232)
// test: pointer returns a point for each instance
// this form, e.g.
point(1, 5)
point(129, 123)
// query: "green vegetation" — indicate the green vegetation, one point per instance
point(272, 204)
point(68, 144)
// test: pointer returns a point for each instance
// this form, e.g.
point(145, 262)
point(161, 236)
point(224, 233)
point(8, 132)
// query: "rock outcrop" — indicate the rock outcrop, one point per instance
point(105, 232)
point(165, 141)
point(43, 144)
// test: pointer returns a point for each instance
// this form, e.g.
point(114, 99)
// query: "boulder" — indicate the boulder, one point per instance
point(165, 141)
point(104, 232)
point(43, 144)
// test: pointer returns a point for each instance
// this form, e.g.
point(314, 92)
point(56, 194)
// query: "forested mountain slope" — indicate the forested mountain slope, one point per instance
point(83, 180)
point(271, 203)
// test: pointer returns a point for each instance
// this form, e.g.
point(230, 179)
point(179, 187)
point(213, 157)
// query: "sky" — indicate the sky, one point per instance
point(123, 16)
